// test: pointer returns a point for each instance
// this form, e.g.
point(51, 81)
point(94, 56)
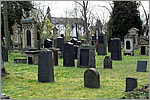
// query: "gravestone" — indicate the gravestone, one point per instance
point(141, 66)
point(48, 43)
point(116, 49)
point(32, 54)
point(91, 78)
point(74, 41)
point(107, 62)
point(68, 55)
point(143, 44)
point(76, 51)
point(128, 45)
point(109, 45)
point(4, 53)
point(86, 56)
point(45, 66)
point(55, 56)
point(94, 41)
point(102, 44)
point(131, 83)
point(60, 43)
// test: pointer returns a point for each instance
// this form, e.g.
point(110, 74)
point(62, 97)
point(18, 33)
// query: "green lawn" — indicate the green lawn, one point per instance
point(22, 83)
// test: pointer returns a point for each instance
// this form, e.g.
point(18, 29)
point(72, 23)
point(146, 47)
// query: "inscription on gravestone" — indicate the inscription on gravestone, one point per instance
point(91, 78)
point(141, 66)
point(45, 66)
point(131, 83)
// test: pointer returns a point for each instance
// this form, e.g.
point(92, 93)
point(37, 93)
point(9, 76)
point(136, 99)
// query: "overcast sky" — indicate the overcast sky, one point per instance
point(58, 8)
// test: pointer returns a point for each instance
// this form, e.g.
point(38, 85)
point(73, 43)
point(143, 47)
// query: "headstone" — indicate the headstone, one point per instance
point(76, 51)
point(68, 55)
point(55, 56)
point(4, 53)
point(86, 56)
point(107, 62)
point(141, 66)
point(32, 54)
point(131, 84)
point(102, 44)
point(45, 66)
point(48, 43)
point(60, 43)
point(91, 78)
point(109, 45)
point(116, 49)
point(93, 41)
point(143, 44)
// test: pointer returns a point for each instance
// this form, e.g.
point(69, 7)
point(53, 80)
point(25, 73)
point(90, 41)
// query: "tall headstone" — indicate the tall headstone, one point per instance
point(102, 44)
point(131, 84)
point(116, 49)
point(55, 56)
point(109, 45)
point(60, 43)
point(48, 43)
point(45, 66)
point(91, 78)
point(141, 66)
point(68, 55)
point(107, 62)
point(4, 53)
point(86, 56)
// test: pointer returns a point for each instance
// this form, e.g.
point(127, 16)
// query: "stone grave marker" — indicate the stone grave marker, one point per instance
point(116, 49)
point(48, 43)
point(55, 56)
point(60, 43)
point(45, 66)
point(76, 51)
point(131, 83)
point(109, 45)
point(102, 44)
point(86, 56)
point(4, 53)
point(91, 78)
point(68, 55)
point(141, 66)
point(107, 62)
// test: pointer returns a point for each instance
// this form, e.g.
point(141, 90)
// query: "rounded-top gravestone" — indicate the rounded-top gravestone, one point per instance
point(107, 62)
point(91, 78)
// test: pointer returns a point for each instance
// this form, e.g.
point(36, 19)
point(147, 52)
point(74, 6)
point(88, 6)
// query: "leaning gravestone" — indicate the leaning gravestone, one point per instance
point(4, 53)
point(48, 43)
point(141, 66)
point(131, 83)
point(116, 49)
point(68, 55)
point(102, 44)
point(86, 56)
point(107, 62)
point(91, 78)
point(45, 66)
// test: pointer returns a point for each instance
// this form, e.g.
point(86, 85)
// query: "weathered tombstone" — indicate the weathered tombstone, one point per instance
point(32, 55)
point(116, 49)
point(128, 45)
point(4, 53)
point(55, 56)
point(48, 43)
point(86, 56)
point(60, 43)
point(107, 62)
point(143, 44)
point(131, 84)
point(45, 66)
point(76, 51)
point(68, 55)
point(141, 66)
point(91, 78)
point(102, 44)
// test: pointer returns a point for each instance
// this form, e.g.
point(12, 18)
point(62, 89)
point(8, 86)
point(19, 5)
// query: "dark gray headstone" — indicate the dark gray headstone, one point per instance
point(91, 78)
point(116, 49)
point(45, 66)
point(102, 45)
point(143, 50)
point(131, 84)
point(86, 56)
point(4, 53)
point(76, 51)
point(68, 55)
point(141, 66)
point(107, 62)
point(60, 43)
point(55, 56)
point(48, 43)
point(109, 45)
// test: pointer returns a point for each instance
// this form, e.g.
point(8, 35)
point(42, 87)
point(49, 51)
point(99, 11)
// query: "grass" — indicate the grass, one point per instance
point(22, 83)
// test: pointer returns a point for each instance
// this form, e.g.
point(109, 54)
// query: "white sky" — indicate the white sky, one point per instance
point(58, 8)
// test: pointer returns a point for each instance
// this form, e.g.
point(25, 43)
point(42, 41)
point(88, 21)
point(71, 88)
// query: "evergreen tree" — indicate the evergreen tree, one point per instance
point(124, 16)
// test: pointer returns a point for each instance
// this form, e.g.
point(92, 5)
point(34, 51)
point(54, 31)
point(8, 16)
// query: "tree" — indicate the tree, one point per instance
point(124, 16)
